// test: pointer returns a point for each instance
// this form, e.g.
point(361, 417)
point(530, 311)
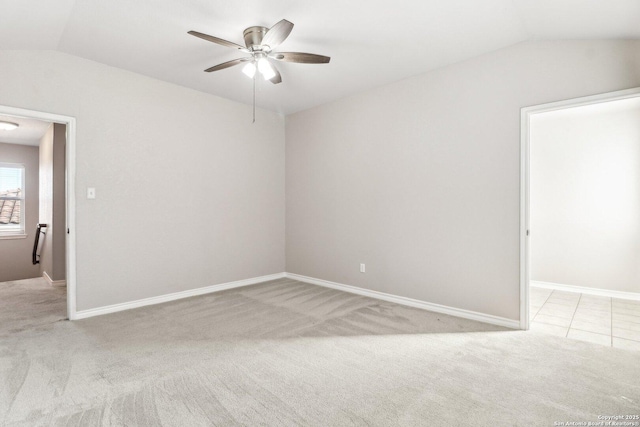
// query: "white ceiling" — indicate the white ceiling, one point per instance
point(29, 132)
point(371, 42)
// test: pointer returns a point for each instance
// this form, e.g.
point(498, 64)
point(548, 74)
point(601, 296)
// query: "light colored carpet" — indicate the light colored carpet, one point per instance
point(286, 353)
point(27, 303)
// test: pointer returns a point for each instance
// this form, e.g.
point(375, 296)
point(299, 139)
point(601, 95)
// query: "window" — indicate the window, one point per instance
point(11, 199)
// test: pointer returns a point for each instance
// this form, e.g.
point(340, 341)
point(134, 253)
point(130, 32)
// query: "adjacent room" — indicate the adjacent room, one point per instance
point(291, 213)
point(585, 205)
point(32, 221)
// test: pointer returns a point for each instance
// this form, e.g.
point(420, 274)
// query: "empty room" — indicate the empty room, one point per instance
point(320, 214)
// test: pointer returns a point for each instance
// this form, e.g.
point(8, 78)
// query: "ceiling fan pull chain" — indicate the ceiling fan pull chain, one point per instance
point(254, 98)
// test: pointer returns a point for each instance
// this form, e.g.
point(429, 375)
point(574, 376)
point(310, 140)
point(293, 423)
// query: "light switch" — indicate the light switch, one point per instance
point(91, 193)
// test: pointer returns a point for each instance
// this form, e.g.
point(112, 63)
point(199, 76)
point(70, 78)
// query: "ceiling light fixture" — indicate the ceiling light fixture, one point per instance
point(8, 125)
point(260, 43)
point(266, 69)
point(249, 70)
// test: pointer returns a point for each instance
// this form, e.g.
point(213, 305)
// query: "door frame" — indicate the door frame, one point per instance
point(70, 202)
point(525, 143)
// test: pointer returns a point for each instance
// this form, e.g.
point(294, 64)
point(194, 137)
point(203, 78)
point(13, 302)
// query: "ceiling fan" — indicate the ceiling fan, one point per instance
point(260, 44)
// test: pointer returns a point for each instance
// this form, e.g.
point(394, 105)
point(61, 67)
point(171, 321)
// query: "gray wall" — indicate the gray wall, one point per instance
point(420, 179)
point(46, 201)
point(59, 202)
point(585, 196)
point(52, 202)
point(189, 192)
point(15, 254)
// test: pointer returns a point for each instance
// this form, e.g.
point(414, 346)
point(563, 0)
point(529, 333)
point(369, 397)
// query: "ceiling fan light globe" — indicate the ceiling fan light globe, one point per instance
point(249, 70)
point(269, 74)
point(266, 69)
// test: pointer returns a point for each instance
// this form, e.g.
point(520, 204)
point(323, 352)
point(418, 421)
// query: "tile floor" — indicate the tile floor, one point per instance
point(601, 320)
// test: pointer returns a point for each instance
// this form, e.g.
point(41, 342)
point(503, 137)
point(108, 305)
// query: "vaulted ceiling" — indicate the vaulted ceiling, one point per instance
point(371, 42)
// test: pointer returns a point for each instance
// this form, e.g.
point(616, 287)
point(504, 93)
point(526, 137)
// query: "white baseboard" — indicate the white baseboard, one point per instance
point(51, 282)
point(174, 296)
point(452, 311)
point(589, 291)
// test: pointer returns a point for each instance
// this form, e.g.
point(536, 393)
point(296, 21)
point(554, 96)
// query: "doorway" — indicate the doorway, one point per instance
point(66, 267)
point(580, 213)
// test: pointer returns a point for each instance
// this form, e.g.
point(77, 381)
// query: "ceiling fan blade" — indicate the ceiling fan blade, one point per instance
point(277, 78)
point(300, 57)
point(217, 40)
point(277, 34)
point(227, 64)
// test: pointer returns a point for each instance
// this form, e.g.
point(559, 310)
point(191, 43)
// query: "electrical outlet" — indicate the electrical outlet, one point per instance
point(362, 268)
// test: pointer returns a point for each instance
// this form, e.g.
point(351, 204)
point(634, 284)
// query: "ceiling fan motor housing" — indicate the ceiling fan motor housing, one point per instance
point(253, 36)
